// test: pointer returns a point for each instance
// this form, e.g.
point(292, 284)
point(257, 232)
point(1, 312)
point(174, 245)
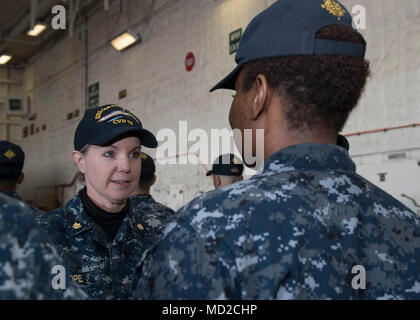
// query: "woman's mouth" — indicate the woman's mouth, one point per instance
point(121, 183)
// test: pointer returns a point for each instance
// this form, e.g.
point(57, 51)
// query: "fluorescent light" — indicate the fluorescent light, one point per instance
point(36, 30)
point(124, 40)
point(4, 58)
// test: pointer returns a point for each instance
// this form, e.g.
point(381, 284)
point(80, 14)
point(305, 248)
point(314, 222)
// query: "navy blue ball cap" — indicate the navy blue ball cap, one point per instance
point(288, 28)
point(102, 125)
point(12, 158)
point(227, 165)
point(148, 167)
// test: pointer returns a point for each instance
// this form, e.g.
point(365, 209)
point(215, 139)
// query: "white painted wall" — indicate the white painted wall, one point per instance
point(392, 98)
point(162, 93)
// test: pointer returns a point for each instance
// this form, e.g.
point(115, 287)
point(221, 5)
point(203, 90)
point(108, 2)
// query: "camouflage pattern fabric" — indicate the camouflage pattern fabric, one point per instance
point(27, 257)
point(293, 231)
point(104, 270)
point(155, 214)
point(35, 211)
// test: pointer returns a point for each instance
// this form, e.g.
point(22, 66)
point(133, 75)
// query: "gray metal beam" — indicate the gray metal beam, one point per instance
point(34, 9)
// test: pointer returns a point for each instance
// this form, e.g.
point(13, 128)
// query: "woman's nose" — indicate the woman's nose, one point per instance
point(124, 164)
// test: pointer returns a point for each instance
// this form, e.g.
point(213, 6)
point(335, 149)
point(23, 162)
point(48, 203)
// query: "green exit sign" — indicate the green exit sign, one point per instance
point(15, 104)
point(234, 39)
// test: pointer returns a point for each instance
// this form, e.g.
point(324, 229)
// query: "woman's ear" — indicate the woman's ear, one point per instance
point(79, 160)
point(260, 96)
point(216, 180)
point(21, 178)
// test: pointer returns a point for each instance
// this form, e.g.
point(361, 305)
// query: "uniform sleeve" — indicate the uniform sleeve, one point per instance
point(47, 258)
point(185, 266)
point(27, 258)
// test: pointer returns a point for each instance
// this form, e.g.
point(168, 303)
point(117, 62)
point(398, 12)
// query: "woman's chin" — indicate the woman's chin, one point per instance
point(121, 195)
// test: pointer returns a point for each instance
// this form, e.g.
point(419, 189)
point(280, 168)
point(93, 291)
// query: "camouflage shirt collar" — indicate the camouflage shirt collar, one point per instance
point(310, 156)
point(131, 221)
point(135, 219)
point(142, 197)
point(77, 221)
point(11, 194)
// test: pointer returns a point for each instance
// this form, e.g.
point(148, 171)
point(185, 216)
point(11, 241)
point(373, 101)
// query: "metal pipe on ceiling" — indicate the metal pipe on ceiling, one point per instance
point(32, 43)
point(34, 11)
point(44, 6)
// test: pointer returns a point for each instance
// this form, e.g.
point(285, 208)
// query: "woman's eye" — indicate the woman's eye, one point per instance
point(109, 154)
point(135, 154)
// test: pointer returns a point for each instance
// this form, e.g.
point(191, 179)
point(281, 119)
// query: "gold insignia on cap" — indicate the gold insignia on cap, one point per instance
point(333, 8)
point(76, 225)
point(140, 226)
point(9, 154)
point(143, 156)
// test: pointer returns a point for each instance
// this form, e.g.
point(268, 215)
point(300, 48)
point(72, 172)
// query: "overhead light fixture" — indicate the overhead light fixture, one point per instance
point(37, 30)
point(124, 40)
point(4, 58)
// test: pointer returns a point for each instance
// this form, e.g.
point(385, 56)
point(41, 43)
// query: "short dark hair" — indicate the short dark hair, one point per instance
point(318, 90)
point(85, 149)
point(9, 181)
point(10, 172)
point(146, 182)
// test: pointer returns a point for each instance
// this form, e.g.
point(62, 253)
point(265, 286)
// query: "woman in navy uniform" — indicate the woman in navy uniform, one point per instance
point(100, 236)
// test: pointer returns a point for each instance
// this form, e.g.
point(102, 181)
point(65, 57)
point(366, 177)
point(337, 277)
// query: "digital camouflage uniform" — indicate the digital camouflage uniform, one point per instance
point(35, 211)
point(156, 214)
point(294, 231)
point(104, 270)
point(27, 257)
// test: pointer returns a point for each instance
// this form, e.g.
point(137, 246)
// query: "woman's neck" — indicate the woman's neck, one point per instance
point(106, 204)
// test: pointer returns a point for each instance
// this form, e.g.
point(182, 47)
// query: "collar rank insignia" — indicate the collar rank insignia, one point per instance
point(333, 8)
point(9, 154)
point(76, 225)
point(140, 226)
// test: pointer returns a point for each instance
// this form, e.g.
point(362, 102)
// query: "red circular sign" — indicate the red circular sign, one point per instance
point(189, 61)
